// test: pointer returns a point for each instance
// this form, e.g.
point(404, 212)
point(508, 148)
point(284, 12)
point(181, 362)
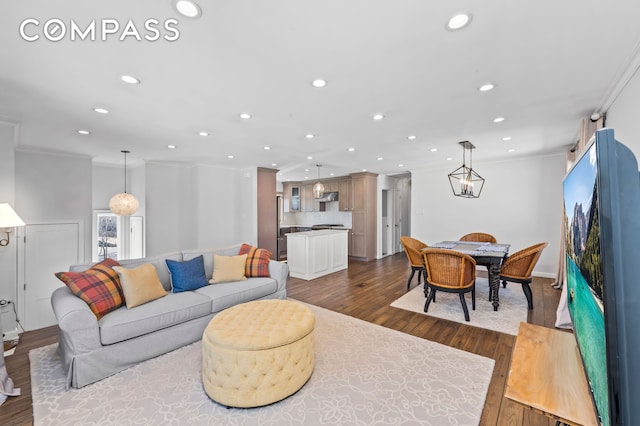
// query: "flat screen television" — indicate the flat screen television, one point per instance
point(602, 219)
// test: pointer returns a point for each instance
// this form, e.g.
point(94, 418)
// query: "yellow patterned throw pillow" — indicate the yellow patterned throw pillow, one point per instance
point(140, 285)
point(228, 268)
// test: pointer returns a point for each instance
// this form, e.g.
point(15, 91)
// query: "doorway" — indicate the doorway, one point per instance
point(48, 248)
point(390, 225)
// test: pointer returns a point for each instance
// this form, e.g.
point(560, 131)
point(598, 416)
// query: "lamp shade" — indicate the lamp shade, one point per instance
point(8, 217)
point(123, 204)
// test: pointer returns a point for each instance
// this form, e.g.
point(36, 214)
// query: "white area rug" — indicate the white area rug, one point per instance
point(364, 374)
point(513, 306)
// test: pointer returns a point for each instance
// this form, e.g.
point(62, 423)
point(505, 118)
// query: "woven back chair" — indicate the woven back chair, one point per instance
point(412, 248)
point(452, 272)
point(479, 237)
point(519, 266)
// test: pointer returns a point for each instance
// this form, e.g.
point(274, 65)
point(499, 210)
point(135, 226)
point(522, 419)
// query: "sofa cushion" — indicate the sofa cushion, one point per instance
point(123, 324)
point(228, 268)
point(208, 256)
point(229, 294)
point(187, 275)
point(157, 261)
point(99, 286)
point(257, 264)
point(140, 285)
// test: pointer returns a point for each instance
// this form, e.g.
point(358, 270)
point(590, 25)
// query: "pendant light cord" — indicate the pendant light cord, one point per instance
point(125, 152)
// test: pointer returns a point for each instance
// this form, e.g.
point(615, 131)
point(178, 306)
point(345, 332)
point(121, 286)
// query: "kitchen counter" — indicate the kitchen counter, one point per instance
point(312, 254)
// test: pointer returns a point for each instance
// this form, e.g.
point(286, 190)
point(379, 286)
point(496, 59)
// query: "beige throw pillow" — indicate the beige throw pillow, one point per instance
point(140, 285)
point(228, 268)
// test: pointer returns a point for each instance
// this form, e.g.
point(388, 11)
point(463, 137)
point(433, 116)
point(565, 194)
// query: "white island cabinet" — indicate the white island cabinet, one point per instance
point(313, 254)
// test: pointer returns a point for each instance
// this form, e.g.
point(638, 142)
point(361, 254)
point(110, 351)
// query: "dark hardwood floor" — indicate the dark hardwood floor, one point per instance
point(363, 291)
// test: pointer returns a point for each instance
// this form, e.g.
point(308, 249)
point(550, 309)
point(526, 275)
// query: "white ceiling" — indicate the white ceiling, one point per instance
point(553, 63)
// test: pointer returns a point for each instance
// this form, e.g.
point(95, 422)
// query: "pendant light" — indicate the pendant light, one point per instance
point(318, 188)
point(465, 182)
point(124, 204)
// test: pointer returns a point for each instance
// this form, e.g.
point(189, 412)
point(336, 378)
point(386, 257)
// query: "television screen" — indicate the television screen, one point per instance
point(602, 240)
point(584, 273)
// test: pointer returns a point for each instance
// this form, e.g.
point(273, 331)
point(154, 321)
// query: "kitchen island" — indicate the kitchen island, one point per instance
point(313, 254)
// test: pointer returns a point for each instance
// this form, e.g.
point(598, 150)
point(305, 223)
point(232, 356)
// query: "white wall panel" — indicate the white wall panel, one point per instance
point(521, 204)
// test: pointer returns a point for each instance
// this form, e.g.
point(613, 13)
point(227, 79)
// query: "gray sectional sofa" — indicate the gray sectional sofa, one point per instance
point(93, 349)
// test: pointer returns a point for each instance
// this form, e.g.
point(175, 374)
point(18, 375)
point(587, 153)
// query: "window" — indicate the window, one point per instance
point(107, 236)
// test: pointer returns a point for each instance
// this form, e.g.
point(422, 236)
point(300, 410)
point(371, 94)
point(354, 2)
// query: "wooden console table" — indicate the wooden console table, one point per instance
point(547, 376)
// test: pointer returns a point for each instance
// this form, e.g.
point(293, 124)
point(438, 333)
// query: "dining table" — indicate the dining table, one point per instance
point(490, 255)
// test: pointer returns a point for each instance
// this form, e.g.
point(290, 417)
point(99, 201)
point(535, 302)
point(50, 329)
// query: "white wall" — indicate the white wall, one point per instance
point(221, 220)
point(54, 188)
point(521, 204)
point(8, 254)
point(622, 116)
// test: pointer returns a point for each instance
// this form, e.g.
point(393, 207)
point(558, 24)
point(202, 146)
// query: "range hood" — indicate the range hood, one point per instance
point(327, 197)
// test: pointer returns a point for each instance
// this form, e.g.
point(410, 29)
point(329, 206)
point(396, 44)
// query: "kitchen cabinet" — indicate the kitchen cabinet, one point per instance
point(344, 195)
point(363, 216)
point(317, 253)
point(292, 194)
point(307, 201)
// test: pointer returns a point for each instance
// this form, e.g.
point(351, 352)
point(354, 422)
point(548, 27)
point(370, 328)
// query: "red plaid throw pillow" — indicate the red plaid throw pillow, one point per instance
point(257, 261)
point(99, 286)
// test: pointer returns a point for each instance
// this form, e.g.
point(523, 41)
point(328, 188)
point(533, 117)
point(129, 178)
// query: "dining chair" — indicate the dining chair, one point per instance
point(519, 266)
point(452, 272)
point(479, 237)
point(412, 248)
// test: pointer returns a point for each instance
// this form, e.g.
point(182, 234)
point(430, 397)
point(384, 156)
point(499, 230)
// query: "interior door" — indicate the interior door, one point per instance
point(48, 249)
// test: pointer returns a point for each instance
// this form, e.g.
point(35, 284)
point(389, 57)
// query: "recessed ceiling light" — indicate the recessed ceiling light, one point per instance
point(229, 156)
point(129, 79)
point(400, 165)
point(380, 158)
point(449, 158)
point(319, 82)
point(364, 170)
point(309, 158)
point(306, 170)
point(309, 136)
point(84, 132)
point(273, 165)
point(203, 133)
point(188, 8)
point(351, 149)
point(245, 116)
point(378, 117)
point(506, 138)
point(511, 150)
point(433, 149)
point(267, 148)
point(486, 87)
point(459, 21)
point(171, 146)
point(498, 119)
point(101, 110)
point(411, 137)
point(331, 174)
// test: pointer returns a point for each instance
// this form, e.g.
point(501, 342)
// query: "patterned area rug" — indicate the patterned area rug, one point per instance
point(364, 374)
point(513, 307)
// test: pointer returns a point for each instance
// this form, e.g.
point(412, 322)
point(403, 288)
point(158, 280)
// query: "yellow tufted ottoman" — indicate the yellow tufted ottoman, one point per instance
point(257, 353)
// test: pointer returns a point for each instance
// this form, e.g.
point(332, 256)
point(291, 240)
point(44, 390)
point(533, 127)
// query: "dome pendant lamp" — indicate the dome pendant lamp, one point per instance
point(465, 182)
point(124, 204)
point(318, 188)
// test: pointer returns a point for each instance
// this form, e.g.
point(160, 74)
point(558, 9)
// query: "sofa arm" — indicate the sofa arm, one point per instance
point(279, 271)
point(79, 330)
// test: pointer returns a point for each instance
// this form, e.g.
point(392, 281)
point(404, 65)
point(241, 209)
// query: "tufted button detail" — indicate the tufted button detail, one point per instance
point(258, 353)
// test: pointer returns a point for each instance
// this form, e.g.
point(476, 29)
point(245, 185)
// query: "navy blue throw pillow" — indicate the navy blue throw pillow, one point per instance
point(187, 275)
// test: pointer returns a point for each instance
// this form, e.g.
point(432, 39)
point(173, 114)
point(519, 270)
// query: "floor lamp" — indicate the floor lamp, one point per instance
point(8, 220)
